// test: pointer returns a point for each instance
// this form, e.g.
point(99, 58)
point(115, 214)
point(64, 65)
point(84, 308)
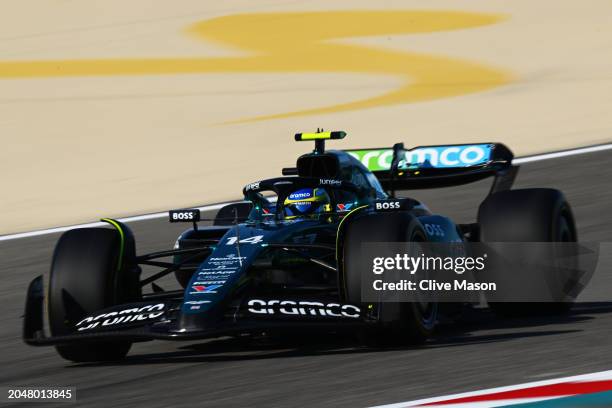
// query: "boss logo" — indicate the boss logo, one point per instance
point(388, 205)
point(184, 215)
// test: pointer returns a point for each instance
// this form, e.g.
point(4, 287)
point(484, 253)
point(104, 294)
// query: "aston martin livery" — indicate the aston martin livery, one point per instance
point(284, 258)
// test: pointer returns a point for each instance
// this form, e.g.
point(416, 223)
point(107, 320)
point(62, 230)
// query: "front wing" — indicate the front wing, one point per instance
point(145, 321)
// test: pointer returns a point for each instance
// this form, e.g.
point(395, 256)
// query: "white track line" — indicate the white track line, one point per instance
point(563, 153)
point(520, 160)
point(602, 375)
point(100, 224)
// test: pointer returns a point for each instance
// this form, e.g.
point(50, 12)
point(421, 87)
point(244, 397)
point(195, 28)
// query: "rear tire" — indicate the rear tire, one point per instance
point(402, 322)
point(84, 279)
point(527, 215)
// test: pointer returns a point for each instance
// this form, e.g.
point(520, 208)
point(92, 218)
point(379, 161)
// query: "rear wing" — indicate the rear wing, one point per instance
point(421, 167)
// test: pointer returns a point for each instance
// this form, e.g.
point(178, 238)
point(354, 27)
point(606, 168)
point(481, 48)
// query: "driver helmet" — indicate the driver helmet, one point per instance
point(307, 202)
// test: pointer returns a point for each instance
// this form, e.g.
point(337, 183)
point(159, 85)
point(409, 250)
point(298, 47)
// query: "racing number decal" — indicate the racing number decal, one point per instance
point(312, 42)
point(255, 239)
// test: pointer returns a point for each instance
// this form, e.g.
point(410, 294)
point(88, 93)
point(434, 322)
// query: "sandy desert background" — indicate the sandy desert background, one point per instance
point(119, 108)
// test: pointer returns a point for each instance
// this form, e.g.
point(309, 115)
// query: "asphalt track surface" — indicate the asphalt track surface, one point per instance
point(479, 352)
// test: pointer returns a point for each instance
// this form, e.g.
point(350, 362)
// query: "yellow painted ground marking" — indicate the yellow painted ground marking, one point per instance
point(304, 43)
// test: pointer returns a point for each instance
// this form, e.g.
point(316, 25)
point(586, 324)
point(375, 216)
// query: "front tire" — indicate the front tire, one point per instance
point(399, 323)
point(84, 279)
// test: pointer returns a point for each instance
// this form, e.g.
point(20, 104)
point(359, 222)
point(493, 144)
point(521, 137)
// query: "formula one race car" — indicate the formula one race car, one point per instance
point(285, 257)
